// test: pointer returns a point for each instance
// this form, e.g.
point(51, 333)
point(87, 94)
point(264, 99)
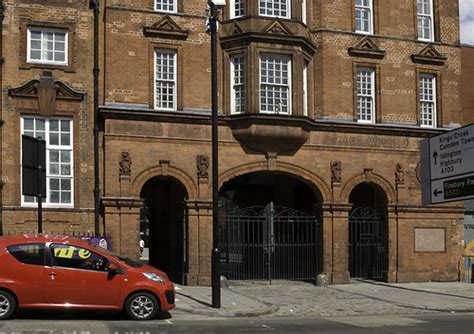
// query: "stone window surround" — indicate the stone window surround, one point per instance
point(48, 147)
point(68, 27)
point(179, 74)
point(439, 115)
point(251, 54)
point(43, 31)
point(377, 92)
point(375, 20)
point(251, 9)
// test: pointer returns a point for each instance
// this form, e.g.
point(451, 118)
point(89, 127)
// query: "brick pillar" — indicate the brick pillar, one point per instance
point(122, 223)
point(199, 242)
point(327, 236)
point(392, 247)
point(340, 244)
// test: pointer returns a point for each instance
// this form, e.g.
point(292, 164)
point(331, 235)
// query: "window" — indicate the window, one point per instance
point(275, 84)
point(365, 95)
point(303, 11)
point(425, 20)
point(59, 158)
point(237, 8)
point(28, 253)
point(363, 16)
point(74, 257)
point(305, 89)
point(166, 6)
point(165, 79)
point(275, 8)
point(427, 95)
point(238, 84)
point(48, 46)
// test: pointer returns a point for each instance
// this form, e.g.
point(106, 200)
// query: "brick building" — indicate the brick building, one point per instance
point(322, 106)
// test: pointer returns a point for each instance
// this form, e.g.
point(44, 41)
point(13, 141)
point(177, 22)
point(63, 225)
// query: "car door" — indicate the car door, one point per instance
point(79, 276)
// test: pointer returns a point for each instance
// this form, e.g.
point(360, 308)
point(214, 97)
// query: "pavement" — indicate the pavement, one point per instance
point(303, 299)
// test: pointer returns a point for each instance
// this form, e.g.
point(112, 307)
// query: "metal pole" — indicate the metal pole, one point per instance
point(39, 198)
point(215, 266)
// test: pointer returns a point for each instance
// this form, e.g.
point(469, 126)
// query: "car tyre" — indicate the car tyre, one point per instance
point(142, 306)
point(7, 305)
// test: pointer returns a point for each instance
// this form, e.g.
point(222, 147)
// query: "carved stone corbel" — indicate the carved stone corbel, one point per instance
point(202, 169)
point(336, 170)
point(125, 170)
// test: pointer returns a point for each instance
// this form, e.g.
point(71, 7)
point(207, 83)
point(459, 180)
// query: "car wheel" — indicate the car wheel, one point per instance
point(142, 306)
point(7, 305)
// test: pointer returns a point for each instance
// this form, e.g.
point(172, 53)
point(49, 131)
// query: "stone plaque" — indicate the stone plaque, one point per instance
point(432, 240)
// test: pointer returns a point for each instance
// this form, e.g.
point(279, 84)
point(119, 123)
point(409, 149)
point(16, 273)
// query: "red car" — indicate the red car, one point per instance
point(42, 271)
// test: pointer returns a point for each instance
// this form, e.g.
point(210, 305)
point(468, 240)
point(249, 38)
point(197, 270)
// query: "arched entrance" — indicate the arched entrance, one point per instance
point(269, 227)
point(368, 232)
point(163, 226)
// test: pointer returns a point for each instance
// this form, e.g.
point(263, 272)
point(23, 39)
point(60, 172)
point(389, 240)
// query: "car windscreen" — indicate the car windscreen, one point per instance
point(130, 262)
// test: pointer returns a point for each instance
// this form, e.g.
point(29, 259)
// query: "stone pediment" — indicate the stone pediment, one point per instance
point(429, 55)
point(367, 48)
point(167, 27)
point(236, 29)
point(47, 90)
point(277, 27)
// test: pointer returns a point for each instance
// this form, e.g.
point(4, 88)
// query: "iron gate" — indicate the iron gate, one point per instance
point(269, 242)
point(367, 243)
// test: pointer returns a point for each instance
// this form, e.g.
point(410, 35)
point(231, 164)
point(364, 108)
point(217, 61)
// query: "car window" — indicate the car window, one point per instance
point(28, 253)
point(69, 256)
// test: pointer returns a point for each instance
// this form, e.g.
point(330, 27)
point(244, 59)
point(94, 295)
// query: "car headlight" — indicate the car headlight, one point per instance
point(154, 277)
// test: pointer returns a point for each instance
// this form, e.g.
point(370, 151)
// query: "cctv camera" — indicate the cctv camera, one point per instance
point(217, 3)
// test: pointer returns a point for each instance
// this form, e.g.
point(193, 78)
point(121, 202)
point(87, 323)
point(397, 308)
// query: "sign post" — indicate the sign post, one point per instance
point(447, 166)
point(34, 172)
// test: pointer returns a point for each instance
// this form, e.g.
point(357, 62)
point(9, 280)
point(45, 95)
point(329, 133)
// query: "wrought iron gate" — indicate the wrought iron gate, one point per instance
point(269, 242)
point(367, 243)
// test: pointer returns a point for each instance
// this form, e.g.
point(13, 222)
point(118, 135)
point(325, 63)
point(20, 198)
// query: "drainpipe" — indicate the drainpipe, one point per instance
point(1, 113)
point(94, 4)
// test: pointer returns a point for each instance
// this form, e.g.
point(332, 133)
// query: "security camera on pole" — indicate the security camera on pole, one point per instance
point(214, 7)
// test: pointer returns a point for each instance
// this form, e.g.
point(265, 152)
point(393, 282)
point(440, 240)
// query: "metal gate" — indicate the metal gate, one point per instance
point(367, 243)
point(269, 242)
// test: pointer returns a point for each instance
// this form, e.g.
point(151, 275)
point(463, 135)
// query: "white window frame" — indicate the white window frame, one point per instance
point(174, 81)
point(271, 2)
point(303, 11)
point(430, 16)
point(233, 85)
point(289, 85)
point(46, 61)
point(237, 12)
point(370, 96)
point(46, 201)
point(370, 9)
point(431, 78)
point(174, 4)
point(305, 88)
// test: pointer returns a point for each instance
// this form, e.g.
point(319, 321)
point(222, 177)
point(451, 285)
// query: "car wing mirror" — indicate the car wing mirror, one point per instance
point(112, 268)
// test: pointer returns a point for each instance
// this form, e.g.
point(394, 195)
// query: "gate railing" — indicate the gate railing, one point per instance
point(269, 242)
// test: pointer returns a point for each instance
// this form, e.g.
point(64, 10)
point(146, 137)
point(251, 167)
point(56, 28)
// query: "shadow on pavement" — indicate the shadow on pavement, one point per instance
point(79, 315)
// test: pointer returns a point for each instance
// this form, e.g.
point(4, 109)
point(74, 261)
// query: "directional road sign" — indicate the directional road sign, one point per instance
point(447, 166)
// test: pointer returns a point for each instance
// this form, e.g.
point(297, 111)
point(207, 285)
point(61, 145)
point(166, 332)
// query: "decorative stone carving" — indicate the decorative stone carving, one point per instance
point(399, 174)
point(368, 174)
point(125, 164)
point(336, 169)
point(429, 55)
point(367, 48)
point(202, 165)
point(277, 27)
point(166, 28)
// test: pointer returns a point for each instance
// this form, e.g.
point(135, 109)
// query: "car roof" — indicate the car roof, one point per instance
point(36, 238)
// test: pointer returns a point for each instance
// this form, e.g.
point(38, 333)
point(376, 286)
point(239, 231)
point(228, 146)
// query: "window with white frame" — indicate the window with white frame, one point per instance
point(237, 8)
point(305, 88)
point(275, 8)
point(165, 79)
point(427, 95)
point(168, 6)
point(275, 84)
point(57, 132)
point(364, 16)
point(48, 46)
point(303, 11)
point(365, 95)
point(237, 84)
point(425, 20)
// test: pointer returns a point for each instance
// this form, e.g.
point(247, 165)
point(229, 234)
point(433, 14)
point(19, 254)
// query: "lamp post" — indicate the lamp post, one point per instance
point(215, 5)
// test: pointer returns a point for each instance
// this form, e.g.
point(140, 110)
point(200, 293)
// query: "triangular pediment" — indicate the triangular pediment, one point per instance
point(366, 47)
point(46, 90)
point(236, 29)
point(166, 27)
point(277, 27)
point(429, 55)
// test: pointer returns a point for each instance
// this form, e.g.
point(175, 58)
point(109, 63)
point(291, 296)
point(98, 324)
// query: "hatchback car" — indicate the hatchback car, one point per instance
point(42, 271)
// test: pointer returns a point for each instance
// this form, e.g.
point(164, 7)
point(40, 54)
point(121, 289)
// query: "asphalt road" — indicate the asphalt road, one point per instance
point(65, 323)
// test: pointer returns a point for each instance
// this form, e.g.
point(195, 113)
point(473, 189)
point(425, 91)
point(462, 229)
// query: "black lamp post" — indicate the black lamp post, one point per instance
point(215, 264)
